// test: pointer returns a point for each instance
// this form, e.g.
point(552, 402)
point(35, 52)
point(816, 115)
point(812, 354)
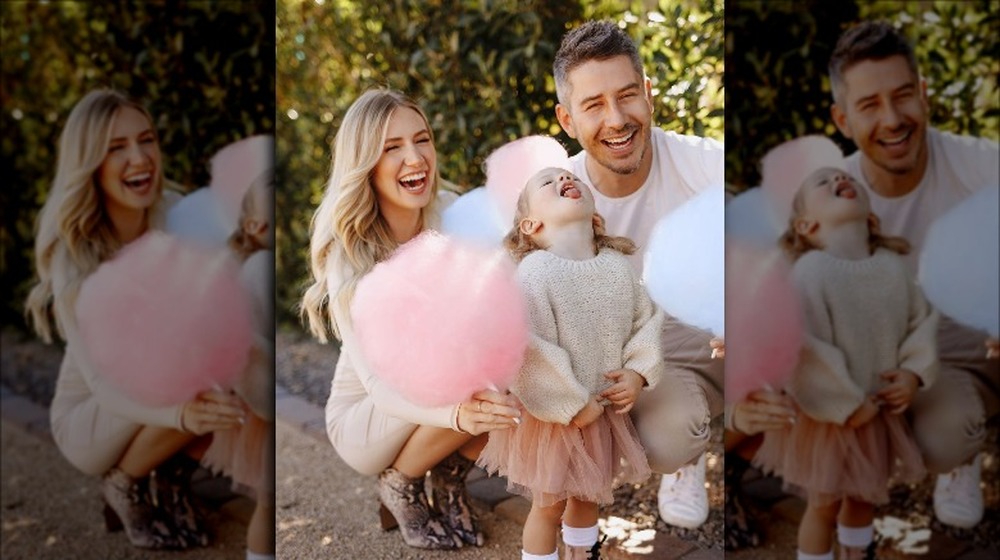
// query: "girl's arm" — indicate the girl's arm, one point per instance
point(918, 350)
point(821, 385)
point(546, 386)
point(385, 397)
point(643, 352)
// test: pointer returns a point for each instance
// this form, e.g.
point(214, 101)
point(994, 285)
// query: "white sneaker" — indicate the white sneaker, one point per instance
point(958, 500)
point(683, 498)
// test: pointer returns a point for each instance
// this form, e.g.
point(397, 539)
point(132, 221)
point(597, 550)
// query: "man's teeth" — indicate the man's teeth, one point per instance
point(619, 140)
point(897, 139)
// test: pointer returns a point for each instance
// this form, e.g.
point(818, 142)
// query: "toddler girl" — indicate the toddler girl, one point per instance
point(595, 342)
point(869, 344)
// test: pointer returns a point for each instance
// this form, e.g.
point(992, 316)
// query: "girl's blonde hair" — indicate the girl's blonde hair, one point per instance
point(74, 222)
point(520, 244)
point(347, 230)
point(795, 244)
point(241, 242)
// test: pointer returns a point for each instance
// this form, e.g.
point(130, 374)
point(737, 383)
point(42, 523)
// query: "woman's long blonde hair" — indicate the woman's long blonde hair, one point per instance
point(74, 221)
point(347, 230)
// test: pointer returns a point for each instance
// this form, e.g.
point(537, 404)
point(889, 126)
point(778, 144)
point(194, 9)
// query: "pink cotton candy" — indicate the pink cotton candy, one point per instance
point(440, 320)
point(510, 166)
point(234, 169)
point(165, 320)
point(763, 320)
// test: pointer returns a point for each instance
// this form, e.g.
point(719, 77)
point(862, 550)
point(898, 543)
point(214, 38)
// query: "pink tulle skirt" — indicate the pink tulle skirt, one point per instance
point(827, 462)
point(239, 453)
point(548, 462)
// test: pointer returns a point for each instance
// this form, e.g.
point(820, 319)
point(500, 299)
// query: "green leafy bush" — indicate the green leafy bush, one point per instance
point(205, 70)
point(777, 87)
point(482, 72)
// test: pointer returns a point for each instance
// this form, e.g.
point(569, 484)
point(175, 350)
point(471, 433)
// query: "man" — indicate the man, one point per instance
point(914, 174)
point(640, 173)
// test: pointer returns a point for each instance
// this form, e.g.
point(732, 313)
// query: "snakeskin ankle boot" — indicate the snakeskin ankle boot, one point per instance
point(127, 505)
point(171, 488)
point(451, 500)
point(404, 503)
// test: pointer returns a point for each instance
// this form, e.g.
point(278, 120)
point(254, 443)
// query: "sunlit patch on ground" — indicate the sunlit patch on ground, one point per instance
point(910, 536)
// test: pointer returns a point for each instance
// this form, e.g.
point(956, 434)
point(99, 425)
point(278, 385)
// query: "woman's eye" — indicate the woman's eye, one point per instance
point(391, 148)
point(115, 148)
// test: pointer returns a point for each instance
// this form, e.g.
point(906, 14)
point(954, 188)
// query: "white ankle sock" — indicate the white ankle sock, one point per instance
point(554, 555)
point(579, 536)
point(259, 556)
point(799, 555)
point(859, 537)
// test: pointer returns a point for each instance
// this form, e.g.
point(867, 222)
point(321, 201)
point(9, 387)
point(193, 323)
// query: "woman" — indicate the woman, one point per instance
point(383, 191)
point(107, 192)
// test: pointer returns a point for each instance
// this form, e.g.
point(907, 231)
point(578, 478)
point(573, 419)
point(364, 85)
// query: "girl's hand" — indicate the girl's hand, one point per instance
point(761, 411)
point(718, 346)
point(899, 390)
point(588, 414)
point(211, 411)
point(625, 389)
point(864, 413)
point(488, 410)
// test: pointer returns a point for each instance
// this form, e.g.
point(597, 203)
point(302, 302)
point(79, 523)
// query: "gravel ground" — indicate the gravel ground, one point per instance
point(305, 368)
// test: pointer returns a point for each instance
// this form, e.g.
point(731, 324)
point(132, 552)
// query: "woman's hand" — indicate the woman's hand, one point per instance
point(488, 410)
point(864, 413)
point(211, 411)
point(625, 389)
point(761, 411)
point(899, 389)
point(589, 413)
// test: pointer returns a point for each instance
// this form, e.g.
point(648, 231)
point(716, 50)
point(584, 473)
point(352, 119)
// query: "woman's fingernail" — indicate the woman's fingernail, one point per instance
point(517, 421)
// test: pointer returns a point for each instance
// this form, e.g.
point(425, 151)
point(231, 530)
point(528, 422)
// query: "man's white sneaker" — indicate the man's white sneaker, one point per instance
point(958, 500)
point(683, 499)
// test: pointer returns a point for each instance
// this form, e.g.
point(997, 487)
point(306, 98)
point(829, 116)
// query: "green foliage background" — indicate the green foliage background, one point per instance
point(481, 69)
point(777, 88)
point(205, 70)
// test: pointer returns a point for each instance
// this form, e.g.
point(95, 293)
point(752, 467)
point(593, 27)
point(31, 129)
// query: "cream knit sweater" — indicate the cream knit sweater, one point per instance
point(587, 318)
point(862, 317)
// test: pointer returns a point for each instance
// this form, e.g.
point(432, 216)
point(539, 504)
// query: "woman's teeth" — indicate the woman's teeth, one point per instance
point(138, 181)
point(413, 181)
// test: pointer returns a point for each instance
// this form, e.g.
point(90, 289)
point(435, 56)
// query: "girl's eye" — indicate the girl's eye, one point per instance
point(147, 140)
point(115, 147)
point(391, 148)
point(423, 140)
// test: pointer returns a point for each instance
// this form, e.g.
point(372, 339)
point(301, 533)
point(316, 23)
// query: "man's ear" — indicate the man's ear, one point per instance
point(840, 119)
point(527, 226)
point(565, 120)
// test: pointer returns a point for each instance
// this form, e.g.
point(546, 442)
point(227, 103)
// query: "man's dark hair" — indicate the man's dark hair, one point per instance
point(594, 40)
point(871, 40)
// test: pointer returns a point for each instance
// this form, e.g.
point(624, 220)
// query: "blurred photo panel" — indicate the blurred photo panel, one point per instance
point(862, 285)
point(138, 259)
